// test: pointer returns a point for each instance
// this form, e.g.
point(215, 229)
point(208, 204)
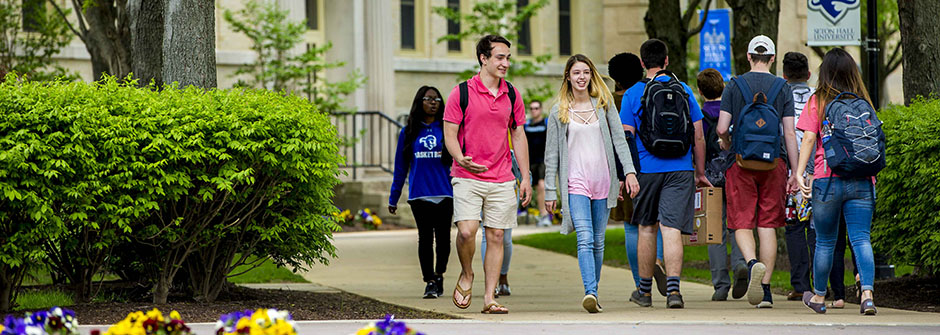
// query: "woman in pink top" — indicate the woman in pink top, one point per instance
point(834, 196)
point(584, 130)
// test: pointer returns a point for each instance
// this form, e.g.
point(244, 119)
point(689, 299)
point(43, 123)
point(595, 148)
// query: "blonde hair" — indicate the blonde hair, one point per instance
point(596, 88)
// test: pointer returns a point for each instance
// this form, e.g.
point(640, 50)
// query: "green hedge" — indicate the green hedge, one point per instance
point(907, 218)
point(185, 178)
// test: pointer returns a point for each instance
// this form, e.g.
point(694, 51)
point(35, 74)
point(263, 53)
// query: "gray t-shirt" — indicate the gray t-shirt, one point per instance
point(732, 101)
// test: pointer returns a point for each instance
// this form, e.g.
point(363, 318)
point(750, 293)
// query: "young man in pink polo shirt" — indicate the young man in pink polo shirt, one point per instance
point(482, 171)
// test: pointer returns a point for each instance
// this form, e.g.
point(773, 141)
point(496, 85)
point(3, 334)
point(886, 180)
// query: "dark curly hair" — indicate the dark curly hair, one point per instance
point(625, 68)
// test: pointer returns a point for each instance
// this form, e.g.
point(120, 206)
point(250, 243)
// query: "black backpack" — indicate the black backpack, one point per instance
point(711, 137)
point(856, 147)
point(666, 126)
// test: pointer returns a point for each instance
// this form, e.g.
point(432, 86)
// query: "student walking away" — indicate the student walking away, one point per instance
point(667, 182)
point(840, 122)
point(760, 105)
point(800, 235)
point(584, 131)
point(711, 84)
point(535, 129)
point(421, 158)
point(475, 128)
point(626, 70)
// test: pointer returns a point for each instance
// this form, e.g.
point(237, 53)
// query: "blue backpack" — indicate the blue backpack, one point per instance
point(856, 146)
point(757, 132)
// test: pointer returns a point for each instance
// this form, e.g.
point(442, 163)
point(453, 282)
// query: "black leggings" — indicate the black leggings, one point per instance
point(837, 274)
point(434, 222)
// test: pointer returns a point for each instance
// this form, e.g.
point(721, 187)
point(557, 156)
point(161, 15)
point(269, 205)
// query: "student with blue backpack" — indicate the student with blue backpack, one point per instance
point(664, 114)
point(850, 151)
point(760, 106)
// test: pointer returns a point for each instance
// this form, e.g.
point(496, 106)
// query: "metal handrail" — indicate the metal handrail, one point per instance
point(375, 140)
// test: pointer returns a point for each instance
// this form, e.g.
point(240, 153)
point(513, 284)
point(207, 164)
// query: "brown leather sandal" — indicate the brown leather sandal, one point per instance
point(463, 294)
point(494, 308)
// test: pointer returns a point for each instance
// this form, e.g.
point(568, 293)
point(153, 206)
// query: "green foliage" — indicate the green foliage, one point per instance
point(169, 174)
point(501, 18)
point(45, 299)
point(30, 53)
point(275, 38)
point(265, 272)
point(907, 221)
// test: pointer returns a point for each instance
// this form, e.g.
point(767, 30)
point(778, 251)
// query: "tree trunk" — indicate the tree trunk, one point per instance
point(189, 43)
point(751, 18)
point(147, 20)
point(919, 39)
point(108, 38)
point(663, 22)
point(7, 284)
point(161, 290)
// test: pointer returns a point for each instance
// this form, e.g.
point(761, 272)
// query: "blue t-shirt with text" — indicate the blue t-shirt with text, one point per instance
point(630, 115)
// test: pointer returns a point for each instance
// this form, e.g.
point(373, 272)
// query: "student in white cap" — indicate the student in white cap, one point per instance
point(760, 106)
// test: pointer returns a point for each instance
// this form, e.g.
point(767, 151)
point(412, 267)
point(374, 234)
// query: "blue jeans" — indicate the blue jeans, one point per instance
point(631, 234)
point(855, 199)
point(507, 249)
point(589, 218)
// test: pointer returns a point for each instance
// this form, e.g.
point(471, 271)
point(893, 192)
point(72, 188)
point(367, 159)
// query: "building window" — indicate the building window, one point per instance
point(408, 24)
point(32, 11)
point(564, 27)
point(311, 14)
point(525, 32)
point(453, 27)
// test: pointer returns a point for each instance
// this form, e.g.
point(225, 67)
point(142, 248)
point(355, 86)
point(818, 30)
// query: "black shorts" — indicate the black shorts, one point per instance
point(537, 171)
point(666, 198)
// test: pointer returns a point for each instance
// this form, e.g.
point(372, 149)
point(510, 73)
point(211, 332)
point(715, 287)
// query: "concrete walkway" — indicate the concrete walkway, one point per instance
point(547, 287)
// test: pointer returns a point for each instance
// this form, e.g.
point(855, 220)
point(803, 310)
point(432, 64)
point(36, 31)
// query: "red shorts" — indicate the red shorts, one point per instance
point(756, 198)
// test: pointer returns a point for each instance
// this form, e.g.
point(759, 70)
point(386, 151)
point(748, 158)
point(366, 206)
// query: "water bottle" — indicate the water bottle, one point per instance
point(826, 131)
point(792, 216)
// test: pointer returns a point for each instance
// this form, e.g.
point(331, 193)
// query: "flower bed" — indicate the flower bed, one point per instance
point(259, 322)
point(56, 321)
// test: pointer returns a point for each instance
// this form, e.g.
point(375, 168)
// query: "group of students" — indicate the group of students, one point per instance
point(642, 150)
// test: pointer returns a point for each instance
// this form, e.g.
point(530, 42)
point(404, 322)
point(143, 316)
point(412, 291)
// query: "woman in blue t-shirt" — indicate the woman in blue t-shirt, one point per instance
point(421, 157)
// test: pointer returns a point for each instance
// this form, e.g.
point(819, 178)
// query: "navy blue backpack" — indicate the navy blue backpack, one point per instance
point(856, 147)
point(757, 131)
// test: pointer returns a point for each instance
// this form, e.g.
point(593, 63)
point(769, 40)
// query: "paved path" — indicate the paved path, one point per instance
point(547, 288)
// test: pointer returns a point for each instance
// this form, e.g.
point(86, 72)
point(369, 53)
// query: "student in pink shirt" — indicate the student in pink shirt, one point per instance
point(484, 186)
point(584, 131)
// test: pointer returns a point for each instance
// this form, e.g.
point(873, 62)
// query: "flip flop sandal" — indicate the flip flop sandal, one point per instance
point(833, 305)
point(494, 308)
point(463, 294)
point(817, 307)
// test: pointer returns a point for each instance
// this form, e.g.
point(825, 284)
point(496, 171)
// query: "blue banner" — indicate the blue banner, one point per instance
point(715, 42)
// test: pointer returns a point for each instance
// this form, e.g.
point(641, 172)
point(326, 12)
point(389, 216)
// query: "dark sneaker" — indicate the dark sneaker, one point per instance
point(817, 307)
point(674, 300)
point(755, 293)
point(740, 282)
point(440, 285)
point(795, 296)
point(868, 307)
point(721, 294)
point(659, 274)
point(430, 291)
point(503, 289)
point(642, 299)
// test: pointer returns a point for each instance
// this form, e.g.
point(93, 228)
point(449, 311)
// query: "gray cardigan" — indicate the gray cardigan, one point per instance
point(556, 158)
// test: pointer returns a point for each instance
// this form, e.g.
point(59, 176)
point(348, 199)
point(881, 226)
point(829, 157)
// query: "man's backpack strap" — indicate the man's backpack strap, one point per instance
point(464, 100)
point(744, 88)
point(775, 90)
point(512, 105)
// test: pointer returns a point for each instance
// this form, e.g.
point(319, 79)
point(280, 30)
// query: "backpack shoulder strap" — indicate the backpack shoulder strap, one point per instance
point(464, 100)
point(775, 90)
point(512, 105)
point(744, 88)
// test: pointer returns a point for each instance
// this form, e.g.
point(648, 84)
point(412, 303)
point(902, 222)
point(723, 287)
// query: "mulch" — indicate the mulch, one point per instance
point(302, 305)
point(913, 293)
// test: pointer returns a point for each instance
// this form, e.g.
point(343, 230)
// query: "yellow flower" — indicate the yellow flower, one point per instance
point(174, 315)
point(366, 330)
point(1, 328)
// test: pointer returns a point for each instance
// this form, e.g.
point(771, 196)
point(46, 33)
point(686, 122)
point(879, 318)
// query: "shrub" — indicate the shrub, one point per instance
point(177, 178)
point(907, 217)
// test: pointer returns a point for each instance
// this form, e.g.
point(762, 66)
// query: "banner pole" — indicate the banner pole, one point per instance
point(873, 50)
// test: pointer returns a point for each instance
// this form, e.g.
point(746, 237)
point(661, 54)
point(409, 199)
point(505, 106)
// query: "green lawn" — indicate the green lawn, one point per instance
point(267, 272)
point(695, 258)
point(43, 299)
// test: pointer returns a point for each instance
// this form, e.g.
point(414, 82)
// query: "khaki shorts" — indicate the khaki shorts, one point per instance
point(494, 203)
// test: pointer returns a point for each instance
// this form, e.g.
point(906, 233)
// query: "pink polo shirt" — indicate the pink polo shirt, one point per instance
point(484, 134)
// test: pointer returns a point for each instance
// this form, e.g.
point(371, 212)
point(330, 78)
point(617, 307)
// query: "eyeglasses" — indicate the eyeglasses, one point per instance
point(534, 108)
point(428, 99)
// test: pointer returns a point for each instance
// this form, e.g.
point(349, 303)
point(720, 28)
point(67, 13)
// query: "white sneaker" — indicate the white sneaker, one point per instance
point(544, 221)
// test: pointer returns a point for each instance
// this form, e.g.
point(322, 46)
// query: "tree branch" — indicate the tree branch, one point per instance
point(80, 14)
point(66, 19)
point(701, 24)
point(895, 60)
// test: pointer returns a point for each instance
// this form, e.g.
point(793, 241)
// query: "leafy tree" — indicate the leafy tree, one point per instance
point(751, 18)
point(919, 31)
point(660, 22)
point(274, 38)
point(505, 19)
point(28, 43)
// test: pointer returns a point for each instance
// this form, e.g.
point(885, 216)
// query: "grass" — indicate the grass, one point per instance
point(695, 258)
point(267, 272)
point(43, 299)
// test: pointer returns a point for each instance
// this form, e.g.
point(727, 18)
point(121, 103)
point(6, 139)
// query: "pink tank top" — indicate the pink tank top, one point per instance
point(588, 172)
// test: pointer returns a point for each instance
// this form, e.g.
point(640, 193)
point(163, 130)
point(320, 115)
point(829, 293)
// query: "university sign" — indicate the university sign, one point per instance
point(833, 22)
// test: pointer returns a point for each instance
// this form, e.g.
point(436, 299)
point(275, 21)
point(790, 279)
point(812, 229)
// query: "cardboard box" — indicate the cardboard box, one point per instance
point(706, 223)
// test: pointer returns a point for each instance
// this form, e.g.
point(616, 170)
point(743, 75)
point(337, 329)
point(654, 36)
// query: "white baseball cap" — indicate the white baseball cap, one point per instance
point(761, 41)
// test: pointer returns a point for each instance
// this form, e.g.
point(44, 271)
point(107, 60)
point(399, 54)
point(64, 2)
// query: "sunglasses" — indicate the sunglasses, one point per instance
point(427, 99)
